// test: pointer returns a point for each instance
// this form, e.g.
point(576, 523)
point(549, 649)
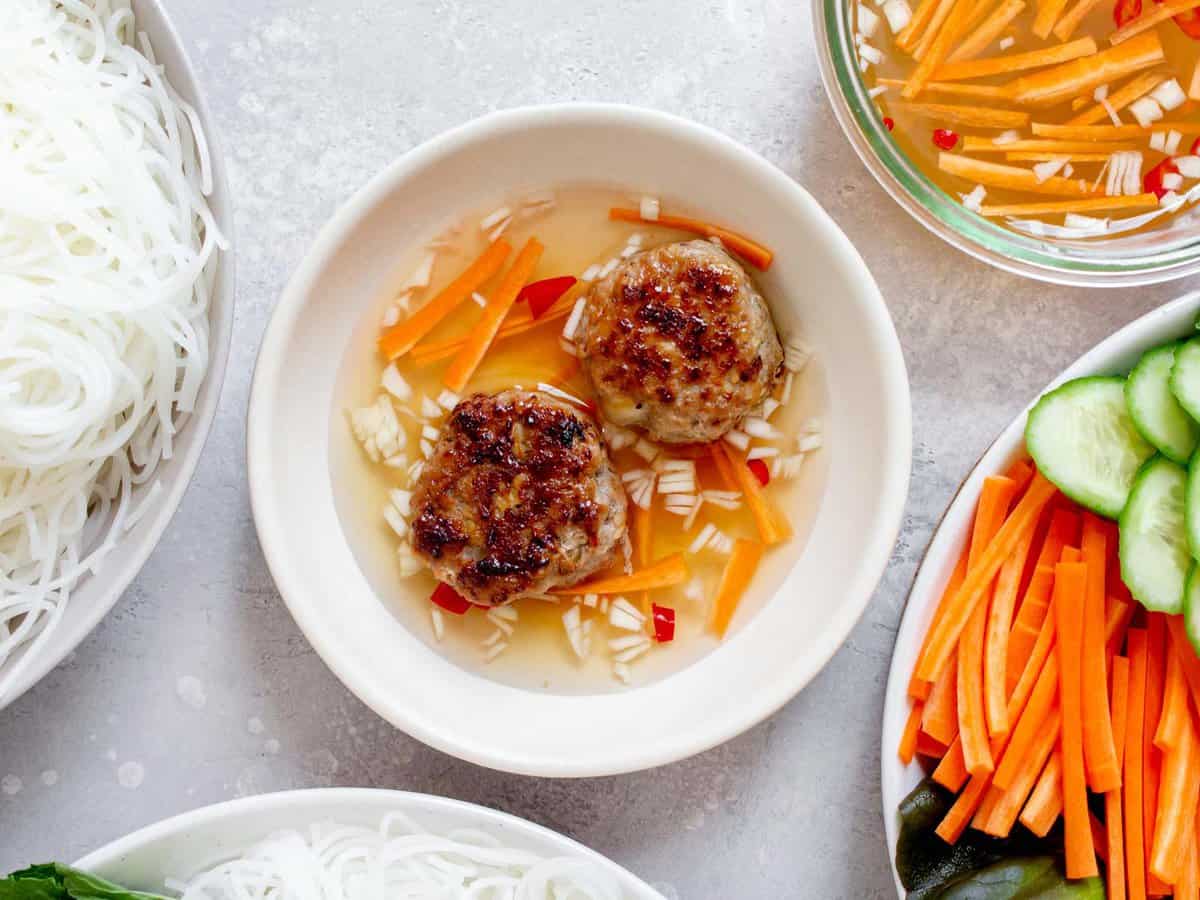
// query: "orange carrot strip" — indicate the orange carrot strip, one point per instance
point(1188, 887)
point(641, 541)
point(1156, 673)
point(1009, 806)
point(954, 89)
point(1099, 749)
point(1045, 803)
point(1052, 207)
point(401, 337)
point(994, 500)
point(908, 740)
point(1114, 825)
point(979, 577)
point(1043, 156)
point(1064, 530)
point(724, 466)
point(972, 116)
point(921, 689)
point(940, 15)
point(1109, 132)
point(1025, 734)
point(999, 625)
point(1079, 76)
point(939, 49)
point(772, 527)
point(1187, 656)
point(667, 572)
point(1116, 623)
point(481, 336)
point(1047, 16)
point(516, 323)
point(1070, 589)
point(1119, 99)
point(940, 720)
point(1155, 14)
point(1173, 718)
point(751, 251)
point(972, 143)
point(1016, 62)
point(908, 36)
point(1099, 838)
point(1070, 21)
point(1177, 796)
point(987, 31)
point(743, 562)
point(1014, 177)
point(1135, 851)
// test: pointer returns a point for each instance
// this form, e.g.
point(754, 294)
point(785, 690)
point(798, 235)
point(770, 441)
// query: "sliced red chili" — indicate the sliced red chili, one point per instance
point(760, 470)
point(1125, 11)
point(1195, 151)
point(889, 123)
point(541, 295)
point(944, 138)
point(1152, 181)
point(664, 623)
point(450, 600)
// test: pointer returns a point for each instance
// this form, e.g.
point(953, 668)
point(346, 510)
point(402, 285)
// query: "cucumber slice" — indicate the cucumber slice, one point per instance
point(1191, 608)
point(1185, 377)
point(1083, 440)
point(1154, 556)
point(1155, 411)
point(1191, 510)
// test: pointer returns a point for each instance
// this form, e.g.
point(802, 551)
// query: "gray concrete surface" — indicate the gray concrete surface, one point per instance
point(312, 98)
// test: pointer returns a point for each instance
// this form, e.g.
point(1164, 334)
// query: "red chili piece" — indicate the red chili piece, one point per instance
point(541, 295)
point(760, 470)
point(1188, 22)
point(1195, 151)
point(450, 600)
point(889, 123)
point(1152, 181)
point(664, 623)
point(944, 138)
point(1125, 11)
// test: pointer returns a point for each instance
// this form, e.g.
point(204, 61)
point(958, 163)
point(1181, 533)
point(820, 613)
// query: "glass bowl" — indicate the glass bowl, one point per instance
point(1170, 251)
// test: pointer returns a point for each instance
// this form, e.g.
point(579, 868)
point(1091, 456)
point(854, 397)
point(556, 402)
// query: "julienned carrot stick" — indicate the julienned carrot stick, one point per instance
point(516, 323)
point(918, 689)
point(1070, 589)
point(1070, 21)
point(939, 48)
point(1187, 656)
point(1009, 806)
point(1135, 851)
point(1047, 16)
point(908, 36)
point(1050, 86)
point(667, 572)
point(1025, 733)
point(1116, 623)
point(1021, 472)
point(973, 116)
point(973, 143)
point(1015, 62)
point(1113, 820)
point(1063, 530)
point(751, 251)
point(1042, 156)
point(1014, 177)
point(908, 739)
point(1045, 803)
point(994, 500)
point(1119, 99)
point(954, 89)
point(979, 578)
point(743, 561)
point(1177, 796)
point(940, 720)
point(1173, 718)
point(1099, 749)
point(1109, 132)
point(1150, 18)
point(1156, 673)
point(480, 338)
point(401, 337)
point(642, 533)
point(935, 26)
point(1092, 204)
point(724, 467)
point(987, 31)
point(999, 626)
point(771, 525)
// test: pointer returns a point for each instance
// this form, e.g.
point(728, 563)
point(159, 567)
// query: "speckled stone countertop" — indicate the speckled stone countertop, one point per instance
point(311, 100)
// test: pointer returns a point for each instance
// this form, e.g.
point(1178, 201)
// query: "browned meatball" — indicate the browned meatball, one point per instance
point(518, 497)
point(677, 340)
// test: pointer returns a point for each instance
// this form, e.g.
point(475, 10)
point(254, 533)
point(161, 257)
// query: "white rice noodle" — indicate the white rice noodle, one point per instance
point(649, 209)
point(109, 256)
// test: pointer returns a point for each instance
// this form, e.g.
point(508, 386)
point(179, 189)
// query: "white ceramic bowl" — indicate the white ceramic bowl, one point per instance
point(96, 595)
point(186, 845)
point(827, 586)
point(1115, 355)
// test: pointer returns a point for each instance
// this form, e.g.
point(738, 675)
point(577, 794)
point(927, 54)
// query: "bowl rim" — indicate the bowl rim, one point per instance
point(873, 557)
point(120, 573)
point(949, 220)
point(949, 536)
point(330, 800)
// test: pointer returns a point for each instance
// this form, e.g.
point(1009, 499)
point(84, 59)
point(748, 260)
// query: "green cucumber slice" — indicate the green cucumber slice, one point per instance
point(1083, 440)
point(1155, 411)
point(1191, 608)
point(1191, 511)
point(1185, 377)
point(1154, 555)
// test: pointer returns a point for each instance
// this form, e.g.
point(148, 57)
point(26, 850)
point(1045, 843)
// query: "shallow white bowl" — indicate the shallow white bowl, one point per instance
point(95, 596)
point(186, 845)
point(1115, 355)
point(818, 281)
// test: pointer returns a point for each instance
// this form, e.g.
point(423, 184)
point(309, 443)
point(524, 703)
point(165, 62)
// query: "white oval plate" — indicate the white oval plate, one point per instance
point(96, 595)
point(817, 281)
point(185, 845)
point(1115, 355)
